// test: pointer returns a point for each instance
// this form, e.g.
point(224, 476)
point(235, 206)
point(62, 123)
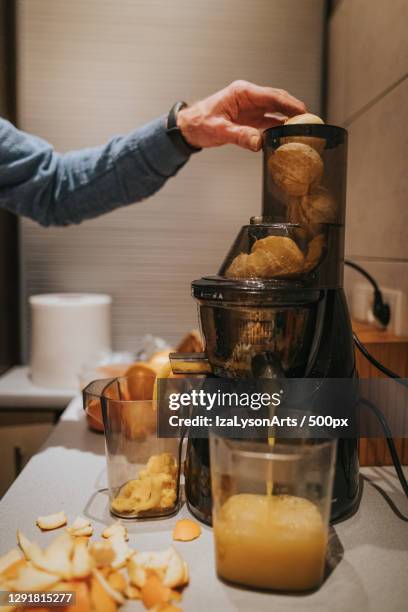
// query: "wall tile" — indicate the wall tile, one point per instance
point(338, 63)
point(377, 208)
point(378, 49)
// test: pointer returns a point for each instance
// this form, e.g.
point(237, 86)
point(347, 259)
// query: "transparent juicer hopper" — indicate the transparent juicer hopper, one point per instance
point(303, 210)
point(259, 313)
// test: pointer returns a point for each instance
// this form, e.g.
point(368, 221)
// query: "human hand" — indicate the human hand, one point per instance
point(236, 114)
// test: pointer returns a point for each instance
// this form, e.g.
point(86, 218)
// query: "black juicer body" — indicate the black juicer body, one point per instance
point(282, 313)
point(327, 351)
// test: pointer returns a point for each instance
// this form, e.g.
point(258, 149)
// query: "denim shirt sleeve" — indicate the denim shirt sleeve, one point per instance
point(61, 189)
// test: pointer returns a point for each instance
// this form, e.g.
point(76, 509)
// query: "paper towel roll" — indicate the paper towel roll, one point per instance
point(66, 330)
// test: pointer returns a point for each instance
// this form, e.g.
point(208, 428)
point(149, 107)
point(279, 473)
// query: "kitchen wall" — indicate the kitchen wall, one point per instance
point(368, 94)
point(3, 102)
point(91, 68)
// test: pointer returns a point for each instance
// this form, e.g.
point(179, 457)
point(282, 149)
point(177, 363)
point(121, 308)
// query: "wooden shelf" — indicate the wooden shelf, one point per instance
point(370, 334)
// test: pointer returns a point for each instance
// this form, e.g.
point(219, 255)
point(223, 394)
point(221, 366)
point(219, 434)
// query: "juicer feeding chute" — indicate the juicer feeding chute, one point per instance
point(300, 234)
point(264, 304)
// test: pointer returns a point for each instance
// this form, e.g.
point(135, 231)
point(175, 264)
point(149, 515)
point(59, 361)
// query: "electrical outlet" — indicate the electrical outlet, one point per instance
point(362, 298)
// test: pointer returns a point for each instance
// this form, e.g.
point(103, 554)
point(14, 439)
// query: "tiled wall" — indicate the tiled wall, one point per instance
point(368, 94)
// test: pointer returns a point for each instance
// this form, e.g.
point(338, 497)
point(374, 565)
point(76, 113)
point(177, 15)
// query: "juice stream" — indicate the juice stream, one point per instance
point(271, 443)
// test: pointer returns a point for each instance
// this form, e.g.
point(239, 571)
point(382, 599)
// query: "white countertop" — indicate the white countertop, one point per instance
point(18, 391)
point(69, 473)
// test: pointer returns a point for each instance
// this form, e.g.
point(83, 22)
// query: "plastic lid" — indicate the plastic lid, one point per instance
point(70, 299)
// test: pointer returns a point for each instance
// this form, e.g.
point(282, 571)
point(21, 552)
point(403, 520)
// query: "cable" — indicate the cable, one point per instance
point(390, 442)
point(377, 364)
point(382, 313)
point(381, 310)
point(363, 272)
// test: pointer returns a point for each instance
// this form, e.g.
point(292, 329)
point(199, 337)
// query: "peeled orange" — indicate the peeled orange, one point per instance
point(140, 381)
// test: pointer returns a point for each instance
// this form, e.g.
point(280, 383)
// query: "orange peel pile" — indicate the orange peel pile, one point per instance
point(102, 574)
point(154, 489)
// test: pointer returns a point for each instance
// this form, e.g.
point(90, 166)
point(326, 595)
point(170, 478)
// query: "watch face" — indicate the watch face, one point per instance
point(172, 116)
point(175, 133)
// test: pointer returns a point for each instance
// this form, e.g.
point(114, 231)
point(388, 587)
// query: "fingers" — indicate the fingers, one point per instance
point(285, 103)
point(263, 122)
point(241, 135)
point(266, 99)
point(235, 115)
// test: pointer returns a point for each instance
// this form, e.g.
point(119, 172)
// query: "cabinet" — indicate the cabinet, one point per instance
point(392, 351)
point(22, 433)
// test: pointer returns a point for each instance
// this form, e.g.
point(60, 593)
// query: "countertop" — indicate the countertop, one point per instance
point(69, 473)
point(18, 391)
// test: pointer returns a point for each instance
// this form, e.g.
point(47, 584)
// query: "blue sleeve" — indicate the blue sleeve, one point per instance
point(60, 189)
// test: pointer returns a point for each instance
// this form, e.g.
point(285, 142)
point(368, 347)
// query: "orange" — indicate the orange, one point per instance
point(139, 368)
point(140, 381)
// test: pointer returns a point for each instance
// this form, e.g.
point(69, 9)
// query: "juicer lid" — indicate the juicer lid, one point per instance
point(253, 291)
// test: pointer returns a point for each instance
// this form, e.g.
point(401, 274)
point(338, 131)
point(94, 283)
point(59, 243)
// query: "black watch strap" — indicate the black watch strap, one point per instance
point(174, 131)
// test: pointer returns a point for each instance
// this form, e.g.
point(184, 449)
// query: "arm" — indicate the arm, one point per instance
point(55, 189)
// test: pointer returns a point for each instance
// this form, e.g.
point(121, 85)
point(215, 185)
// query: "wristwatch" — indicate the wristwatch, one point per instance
point(174, 131)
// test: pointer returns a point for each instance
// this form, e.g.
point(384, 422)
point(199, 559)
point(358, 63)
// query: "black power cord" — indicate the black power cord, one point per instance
point(382, 313)
point(390, 442)
point(381, 310)
point(377, 364)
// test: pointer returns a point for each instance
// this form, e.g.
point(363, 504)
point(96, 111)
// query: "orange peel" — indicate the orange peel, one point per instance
point(80, 527)
point(116, 529)
point(117, 581)
point(186, 530)
point(52, 521)
point(102, 553)
point(9, 560)
point(155, 593)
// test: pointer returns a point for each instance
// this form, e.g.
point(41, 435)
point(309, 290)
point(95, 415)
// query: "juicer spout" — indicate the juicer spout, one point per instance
point(190, 363)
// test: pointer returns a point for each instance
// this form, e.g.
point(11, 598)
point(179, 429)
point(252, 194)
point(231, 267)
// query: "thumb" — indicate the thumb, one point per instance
point(241, 135)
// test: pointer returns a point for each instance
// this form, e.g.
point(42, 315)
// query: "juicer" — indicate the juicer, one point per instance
point(276, 308)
